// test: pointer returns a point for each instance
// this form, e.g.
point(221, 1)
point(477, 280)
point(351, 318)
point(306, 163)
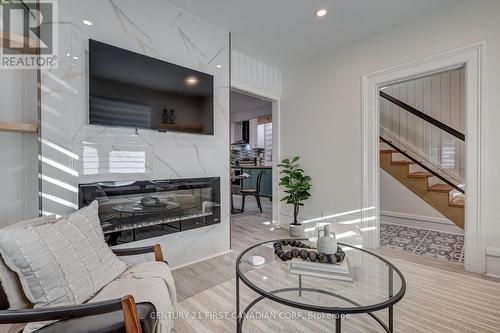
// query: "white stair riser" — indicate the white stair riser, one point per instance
point(435, 180)
point(385, 146)
point(399, 157)
point(416, 168)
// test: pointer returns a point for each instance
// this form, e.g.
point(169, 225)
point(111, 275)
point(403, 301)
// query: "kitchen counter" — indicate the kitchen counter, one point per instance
point(267, 166)
point(266, 188)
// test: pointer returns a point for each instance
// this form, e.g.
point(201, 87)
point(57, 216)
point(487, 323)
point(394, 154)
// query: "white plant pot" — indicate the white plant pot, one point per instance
point(296, 230)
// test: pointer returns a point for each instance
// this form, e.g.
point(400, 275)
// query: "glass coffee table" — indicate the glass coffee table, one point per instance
point(376, 285)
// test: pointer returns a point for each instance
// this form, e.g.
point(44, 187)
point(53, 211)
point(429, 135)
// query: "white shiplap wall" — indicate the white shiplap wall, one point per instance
point(442, 96)
point(249, 72)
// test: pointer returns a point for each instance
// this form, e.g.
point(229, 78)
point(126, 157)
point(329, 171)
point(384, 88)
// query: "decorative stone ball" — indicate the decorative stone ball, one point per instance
point(332, 258)
point(285, 242)
point(322, 258)
point(280, 253)
point(312, 255)
point(303, 254)
point(283, 256)
point(295, 252)
point(276, 251)
point(296, 243)
point(340, 256)
point(302, 245)
point(288, 255)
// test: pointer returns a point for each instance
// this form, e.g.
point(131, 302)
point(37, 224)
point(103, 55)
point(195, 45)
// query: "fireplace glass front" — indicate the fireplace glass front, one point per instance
point(136, 210)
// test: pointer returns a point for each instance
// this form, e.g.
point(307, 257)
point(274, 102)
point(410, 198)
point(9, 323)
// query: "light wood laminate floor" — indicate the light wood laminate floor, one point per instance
point(440, 296)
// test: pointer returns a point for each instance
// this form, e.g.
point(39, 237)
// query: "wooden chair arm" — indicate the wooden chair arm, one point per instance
point(156, 249)
point(130, 315)
point(126, 304)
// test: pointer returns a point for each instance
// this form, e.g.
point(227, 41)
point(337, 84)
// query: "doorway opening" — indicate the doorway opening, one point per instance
point(423, 165)
point(471, 58)
point(254, 151)
point(251, 155)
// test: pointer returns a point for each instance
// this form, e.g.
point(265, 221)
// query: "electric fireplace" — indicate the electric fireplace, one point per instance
point(136, 210)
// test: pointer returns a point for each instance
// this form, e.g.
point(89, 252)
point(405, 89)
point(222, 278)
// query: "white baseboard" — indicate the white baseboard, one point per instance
point(419, 221)
point(493, 251)
point(493, 261)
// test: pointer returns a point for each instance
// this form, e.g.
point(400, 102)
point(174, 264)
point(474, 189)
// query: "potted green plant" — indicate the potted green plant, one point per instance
point(297, 186)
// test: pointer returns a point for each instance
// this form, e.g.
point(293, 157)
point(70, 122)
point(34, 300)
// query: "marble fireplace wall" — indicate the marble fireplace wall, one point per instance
point(74, 152)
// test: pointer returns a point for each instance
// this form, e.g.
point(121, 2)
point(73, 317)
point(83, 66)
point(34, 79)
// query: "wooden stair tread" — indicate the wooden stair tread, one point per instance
point(440, 196)
point(458, 202)
point(402, 162)
point(420, 174)
point(440, 188)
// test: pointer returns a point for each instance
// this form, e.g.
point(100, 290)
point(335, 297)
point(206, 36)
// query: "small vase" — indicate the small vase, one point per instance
point(171, 117)
point(164, 116)
point(327, 243)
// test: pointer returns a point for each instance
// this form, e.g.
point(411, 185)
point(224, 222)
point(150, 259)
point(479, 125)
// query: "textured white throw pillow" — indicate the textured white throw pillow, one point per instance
point(9, 279)
point(62, 263)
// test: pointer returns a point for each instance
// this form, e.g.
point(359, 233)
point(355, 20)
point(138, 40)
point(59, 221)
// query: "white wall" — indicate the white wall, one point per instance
point(19, 163)
point(321, 106)
point(160, 30)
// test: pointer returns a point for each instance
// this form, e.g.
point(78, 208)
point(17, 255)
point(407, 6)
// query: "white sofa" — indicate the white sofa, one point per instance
point(111, 311)
point(59, 275)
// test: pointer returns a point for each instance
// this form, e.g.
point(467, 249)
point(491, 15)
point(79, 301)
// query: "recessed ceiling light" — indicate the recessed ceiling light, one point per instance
point(321, 13)
point(219, 66)
point(68, 55)
point(87, 22)
point(191, 80)
point(76, 58)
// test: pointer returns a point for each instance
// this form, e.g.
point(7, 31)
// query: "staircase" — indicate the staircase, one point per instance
point(414, 171)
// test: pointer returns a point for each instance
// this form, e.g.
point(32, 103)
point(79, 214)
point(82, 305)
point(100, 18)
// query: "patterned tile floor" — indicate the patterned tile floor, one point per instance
point(430, 243)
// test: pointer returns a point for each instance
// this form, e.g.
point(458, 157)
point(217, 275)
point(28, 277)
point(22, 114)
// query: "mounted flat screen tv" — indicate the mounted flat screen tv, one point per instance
point(128, 89)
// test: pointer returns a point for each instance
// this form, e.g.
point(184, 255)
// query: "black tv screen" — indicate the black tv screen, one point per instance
point(132, 90)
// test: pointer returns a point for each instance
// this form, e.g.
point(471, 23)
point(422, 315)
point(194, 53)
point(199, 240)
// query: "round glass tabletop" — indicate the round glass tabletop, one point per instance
point(365, 283)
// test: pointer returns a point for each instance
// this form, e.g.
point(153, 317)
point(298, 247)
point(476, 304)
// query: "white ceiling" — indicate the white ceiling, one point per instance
point(283, 32)
point(245, 107)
